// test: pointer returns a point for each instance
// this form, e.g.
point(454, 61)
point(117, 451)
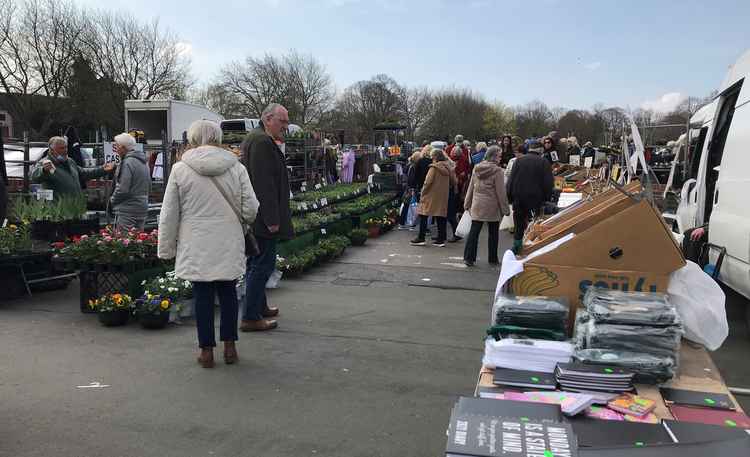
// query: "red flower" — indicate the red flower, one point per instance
point(142, 236)
point(58, 245)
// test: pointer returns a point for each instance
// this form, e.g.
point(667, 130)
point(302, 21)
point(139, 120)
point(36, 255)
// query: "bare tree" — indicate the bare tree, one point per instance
point(218, 99)
point(417, 104)
point(310, 87)
point(456, 111)
point(366, 104)
point(141, 57)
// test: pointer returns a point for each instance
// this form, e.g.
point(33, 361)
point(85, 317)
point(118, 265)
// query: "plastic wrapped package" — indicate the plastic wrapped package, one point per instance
point(531, 312)
point(657, 341)
point(511, 331)
point(581, 329)
point(648, 369)
point(633, 308)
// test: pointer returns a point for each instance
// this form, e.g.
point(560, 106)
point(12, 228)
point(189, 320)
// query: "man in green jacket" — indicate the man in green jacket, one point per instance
point(60, 173)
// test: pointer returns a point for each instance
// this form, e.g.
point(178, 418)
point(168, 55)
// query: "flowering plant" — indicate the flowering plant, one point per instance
point(109, 246)
point(155, 304)
point(14, 238)
point(372, 222)
point(111, 302)
point(169, 286)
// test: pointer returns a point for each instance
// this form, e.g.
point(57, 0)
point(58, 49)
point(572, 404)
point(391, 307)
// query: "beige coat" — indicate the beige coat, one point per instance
point(485, 197)
point(434, 199)
point(197, 225)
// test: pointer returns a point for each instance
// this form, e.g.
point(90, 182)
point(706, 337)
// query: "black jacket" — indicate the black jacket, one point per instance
point(420, 172)
point(531, 182)
point(267, 169)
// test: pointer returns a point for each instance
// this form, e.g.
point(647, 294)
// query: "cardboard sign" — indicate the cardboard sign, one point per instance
point(45, 194)
point(110, 156)
point(555, 157)
point(588, 162)
point(575, 160)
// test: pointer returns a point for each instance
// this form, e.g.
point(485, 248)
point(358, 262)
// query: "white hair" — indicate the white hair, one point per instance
point(125, 140)
point(466, 143)
point(55, 140)
point(458, 138)
point(204, 132)
point(270, 110)
point(492, 153)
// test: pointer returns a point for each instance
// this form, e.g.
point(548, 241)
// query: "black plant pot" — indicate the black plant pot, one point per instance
point(114, 318)
point(154, 321)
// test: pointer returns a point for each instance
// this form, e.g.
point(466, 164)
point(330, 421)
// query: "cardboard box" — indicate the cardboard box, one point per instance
point(620, 243)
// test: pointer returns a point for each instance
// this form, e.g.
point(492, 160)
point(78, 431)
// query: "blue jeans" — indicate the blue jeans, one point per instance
point(205, 294)
point(259, 269)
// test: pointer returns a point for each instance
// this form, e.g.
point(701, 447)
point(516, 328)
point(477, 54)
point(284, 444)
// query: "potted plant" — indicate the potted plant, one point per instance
point(153, 311)
point(15, 239)
point(112, 309)
point(358, 237)
point(373, 227)
point(179, 291)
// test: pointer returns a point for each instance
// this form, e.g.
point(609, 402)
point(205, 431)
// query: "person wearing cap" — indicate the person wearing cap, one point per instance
point(61, 174)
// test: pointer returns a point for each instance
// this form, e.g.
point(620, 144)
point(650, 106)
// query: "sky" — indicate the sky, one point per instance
point(567, 53)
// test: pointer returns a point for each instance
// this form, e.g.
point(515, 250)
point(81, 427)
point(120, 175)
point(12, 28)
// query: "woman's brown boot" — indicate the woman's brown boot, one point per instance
point(230, 353)
point(206, 359)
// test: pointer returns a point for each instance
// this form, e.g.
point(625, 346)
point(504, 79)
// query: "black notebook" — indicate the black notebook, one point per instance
point(731, 448)
point(605, 434)
point(696, 398)
point(594, 371)
point(509, 408)
point(691, 432)
point(522, 378)
point(486, 436)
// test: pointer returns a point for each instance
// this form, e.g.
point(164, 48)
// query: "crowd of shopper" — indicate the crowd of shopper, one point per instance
point(489, 183)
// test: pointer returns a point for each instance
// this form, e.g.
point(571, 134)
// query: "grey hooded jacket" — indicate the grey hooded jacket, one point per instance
point(132, 185)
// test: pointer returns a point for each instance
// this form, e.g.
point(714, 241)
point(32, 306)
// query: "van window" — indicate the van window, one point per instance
point(233, 126)
point(696, 153)
point(716, 147)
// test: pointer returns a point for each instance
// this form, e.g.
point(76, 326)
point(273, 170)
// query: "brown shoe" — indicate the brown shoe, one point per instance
point(230, 353)
point(206, 359)
point(271, 312)
point(258, 326)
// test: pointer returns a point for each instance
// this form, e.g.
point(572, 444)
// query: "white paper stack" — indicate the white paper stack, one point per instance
point(532, 355)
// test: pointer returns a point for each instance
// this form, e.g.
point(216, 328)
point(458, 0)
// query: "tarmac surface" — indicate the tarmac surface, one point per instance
point(369, 356)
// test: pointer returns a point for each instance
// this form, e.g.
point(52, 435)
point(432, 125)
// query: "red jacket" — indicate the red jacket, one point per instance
point(463, 165)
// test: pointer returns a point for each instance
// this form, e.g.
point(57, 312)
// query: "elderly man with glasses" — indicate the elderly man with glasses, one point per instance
point(60, 173)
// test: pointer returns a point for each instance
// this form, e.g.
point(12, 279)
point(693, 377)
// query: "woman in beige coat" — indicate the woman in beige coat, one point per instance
point(486, 201)
point(201, 228)
point(434, 199)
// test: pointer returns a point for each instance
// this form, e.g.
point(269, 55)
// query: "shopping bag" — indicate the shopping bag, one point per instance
point(464, 225)
point(507, 222)
point(411, 215)
point(701, 305)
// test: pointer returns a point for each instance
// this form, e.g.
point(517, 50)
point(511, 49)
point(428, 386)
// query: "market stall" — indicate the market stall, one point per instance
point(598, 344)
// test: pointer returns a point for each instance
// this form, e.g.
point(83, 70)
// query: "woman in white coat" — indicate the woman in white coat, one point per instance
point(201, 228)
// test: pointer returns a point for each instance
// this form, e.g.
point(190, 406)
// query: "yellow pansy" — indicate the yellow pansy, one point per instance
point(164, 304)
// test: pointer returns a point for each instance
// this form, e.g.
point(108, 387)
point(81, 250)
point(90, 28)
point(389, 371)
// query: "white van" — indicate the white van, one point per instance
point(245, 125)
point(720, 171)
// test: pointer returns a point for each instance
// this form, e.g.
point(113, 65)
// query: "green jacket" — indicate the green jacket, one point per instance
point(65, 180)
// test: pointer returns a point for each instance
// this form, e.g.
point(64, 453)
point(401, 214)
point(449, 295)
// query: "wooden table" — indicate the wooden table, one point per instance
point(696, 372)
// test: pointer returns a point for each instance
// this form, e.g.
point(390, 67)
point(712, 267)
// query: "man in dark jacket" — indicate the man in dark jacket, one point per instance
point(420, 174)
point(267, 169)
point(529, 186)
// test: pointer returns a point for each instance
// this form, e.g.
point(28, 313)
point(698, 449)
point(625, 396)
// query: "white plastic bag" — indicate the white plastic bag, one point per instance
point(411, 214)
point(507, 222)
point(464, 225)
point(273, 280)
point(701, 304)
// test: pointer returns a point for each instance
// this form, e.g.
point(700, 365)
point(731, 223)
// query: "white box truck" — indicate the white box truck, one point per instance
point(171, 116)
point(719, 172)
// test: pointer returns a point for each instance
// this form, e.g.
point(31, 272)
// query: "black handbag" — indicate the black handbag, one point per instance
point(251, 244)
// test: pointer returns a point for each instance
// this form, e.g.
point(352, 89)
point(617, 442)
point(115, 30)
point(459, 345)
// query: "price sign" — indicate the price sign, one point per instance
point(5, 222)
point(323, 231)
point(45, 194)
point(315, 206)
point(304, 206)
point(317, 186)
point(588, 162)
point(324, 202)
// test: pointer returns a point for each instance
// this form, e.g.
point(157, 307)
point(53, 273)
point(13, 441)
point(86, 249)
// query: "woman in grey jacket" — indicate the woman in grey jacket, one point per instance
point(129, 201)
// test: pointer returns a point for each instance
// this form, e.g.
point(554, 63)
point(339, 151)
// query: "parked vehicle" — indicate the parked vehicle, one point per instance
point(719, 176)
point(173, 117)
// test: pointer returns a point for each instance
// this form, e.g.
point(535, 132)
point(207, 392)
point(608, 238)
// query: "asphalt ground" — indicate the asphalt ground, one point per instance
point(370, 354)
